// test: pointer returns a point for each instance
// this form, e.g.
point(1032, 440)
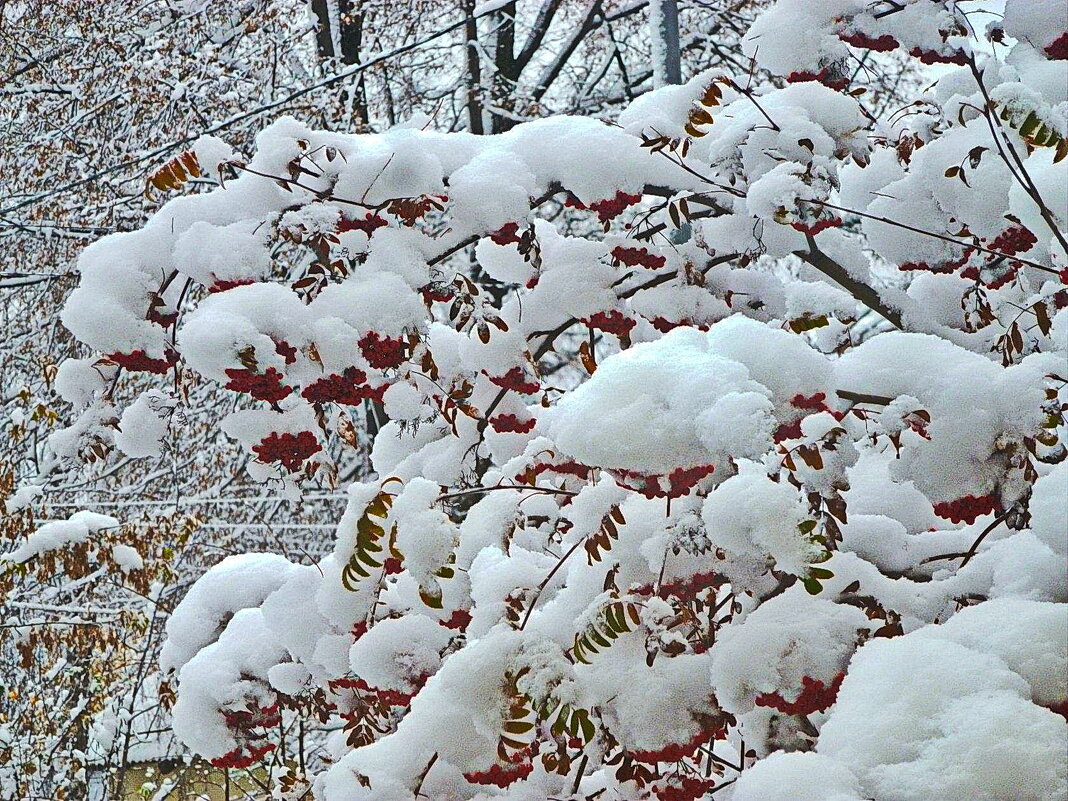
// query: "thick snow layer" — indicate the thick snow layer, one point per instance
point(52, 536)
point(144, 424)
point(228, 674)
point(862, 545)
point(749, 513)
point(922, 717)
point(797, 777)
point(642, 409)
point(785, 640)
point(237, 582)
point(1049, 509)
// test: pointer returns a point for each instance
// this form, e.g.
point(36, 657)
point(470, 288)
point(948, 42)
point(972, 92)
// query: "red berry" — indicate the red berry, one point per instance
point(633, 257)
point(1057, 50)
point(291, 450)
point(266, 386)
point(824, 76)
point(224, 285)
point(880, 44)
point(815, 227)
point(934, 57)
point(678, 751)
point(138, 361)
point(815, 696)
point(613, 322)
point(510, 424)
point(458, 620)
point(369, 224)
point(383, 353)
point(967, 509)
point(500, 776)
point(508, 234)
point(609, 208)
point(516, 381)
point(348, 388)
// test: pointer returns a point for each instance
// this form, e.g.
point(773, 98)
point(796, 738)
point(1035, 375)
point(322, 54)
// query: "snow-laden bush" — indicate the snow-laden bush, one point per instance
point(663, 500)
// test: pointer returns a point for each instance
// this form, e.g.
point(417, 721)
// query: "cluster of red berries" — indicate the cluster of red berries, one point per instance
point(511, 424)
point(503, 775)
point(811, 403)
point(291, 450)
point(349, 388)
point(159, 314)
point(390, 697)
point(222, 285)
point(1014, 239)
point(996, 273)
point(934, 57)
point(967, 509)
point(824, 76)
point(1057, 50)
point(267, 716)
point(138, 361)
point(606, 209)
point(664, 325)
point(689, 788)
point(1060, 708)
point(457, 621)
point(285, 350)
point(815, 696)
point(686, 588)
point(678, 751)
point(820, 224)
point(613, 322)
point(383, 353)
point(266, 386)
point(239, 760)
point(516, 381)
point(433, 294)
point(410, 210)
point(992, 277)
point(392, 566)
point(944, 267)
point(880, 44)
point(369, 224)
point(507, 234)
point(634, 257)
point(563, 468)
point(675, 484)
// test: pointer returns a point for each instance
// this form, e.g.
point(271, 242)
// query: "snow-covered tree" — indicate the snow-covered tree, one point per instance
point(96, 96)
point(718, 450)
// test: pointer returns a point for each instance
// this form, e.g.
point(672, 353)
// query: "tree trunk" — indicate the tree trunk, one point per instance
point(351, 42)
point(664, 35)
point(505, 72)
point(324, 33)
point(473, 76)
